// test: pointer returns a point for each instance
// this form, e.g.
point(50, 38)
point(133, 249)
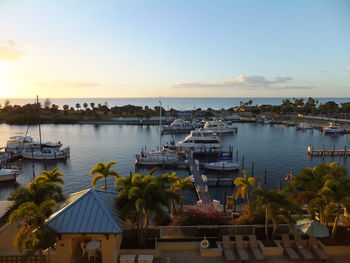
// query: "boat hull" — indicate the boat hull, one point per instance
point(7, 175)
point(221, 167)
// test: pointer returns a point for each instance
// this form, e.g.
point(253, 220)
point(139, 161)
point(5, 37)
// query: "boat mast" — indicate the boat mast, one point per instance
point(38, 105)
point(160, 126)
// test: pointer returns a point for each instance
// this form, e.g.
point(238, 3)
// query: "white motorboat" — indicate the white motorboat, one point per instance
point(222, 166)
point(333, 129)
point(304, 126)
point(46, 153)
point(17, 144)
point(200, 141)
point(8, 174)
point(219, 126)
point(156, 159)
point(266, 122)
point(180, 125)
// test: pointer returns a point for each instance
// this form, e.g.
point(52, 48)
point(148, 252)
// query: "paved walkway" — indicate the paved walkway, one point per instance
point(201, 187)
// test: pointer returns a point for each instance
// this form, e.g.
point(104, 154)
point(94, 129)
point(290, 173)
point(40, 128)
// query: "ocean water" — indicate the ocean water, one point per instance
point(276, 148)
point(167, 102)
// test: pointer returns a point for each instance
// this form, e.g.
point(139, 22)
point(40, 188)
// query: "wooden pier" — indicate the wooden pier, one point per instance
point(200, 186)
point(328, 152)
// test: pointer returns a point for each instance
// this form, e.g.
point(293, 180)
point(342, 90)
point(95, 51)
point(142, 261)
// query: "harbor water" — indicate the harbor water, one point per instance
point(276, 148)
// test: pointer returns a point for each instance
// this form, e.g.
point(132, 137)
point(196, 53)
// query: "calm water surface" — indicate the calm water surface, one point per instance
point(277, 148)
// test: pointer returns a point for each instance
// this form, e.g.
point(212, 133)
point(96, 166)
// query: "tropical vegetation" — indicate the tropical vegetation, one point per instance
point(103, 171)
point(32, 205)
point(52, 113)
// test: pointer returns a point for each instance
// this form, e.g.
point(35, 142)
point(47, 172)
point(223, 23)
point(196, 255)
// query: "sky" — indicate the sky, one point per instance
point(183, 48)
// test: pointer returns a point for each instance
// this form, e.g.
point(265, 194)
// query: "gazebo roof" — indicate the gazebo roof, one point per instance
point(89, 211)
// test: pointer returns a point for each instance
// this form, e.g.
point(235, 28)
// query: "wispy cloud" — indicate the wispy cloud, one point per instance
point(347, 68)
point(9, 50)
point(243, 82)
point(68, 84)
point(323, 71)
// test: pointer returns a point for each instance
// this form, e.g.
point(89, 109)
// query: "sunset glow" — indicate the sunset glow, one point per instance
point(182, 49)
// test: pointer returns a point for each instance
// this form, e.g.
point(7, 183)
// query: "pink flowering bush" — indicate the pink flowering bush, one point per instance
point(193, 217)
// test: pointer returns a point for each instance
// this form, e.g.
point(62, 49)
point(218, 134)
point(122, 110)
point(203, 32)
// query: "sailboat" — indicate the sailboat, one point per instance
point(160, 157)
point(44, 151)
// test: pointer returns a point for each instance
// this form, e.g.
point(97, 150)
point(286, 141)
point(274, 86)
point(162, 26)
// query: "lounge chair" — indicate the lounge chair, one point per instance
point(317, 250)
point(287, 246)
point(227, 250)
point(242, 253)
point(255, 249)
point(306, 254)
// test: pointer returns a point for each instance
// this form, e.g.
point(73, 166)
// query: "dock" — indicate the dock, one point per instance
point(200, 186)
point(328, 152)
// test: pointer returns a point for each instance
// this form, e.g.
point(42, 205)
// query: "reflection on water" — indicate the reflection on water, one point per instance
point(277, 148)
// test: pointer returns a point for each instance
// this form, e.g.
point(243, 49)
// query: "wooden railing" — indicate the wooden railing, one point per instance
point(22, 259)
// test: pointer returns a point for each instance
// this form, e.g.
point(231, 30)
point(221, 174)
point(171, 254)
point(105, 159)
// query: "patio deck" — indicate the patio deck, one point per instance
point(194, 256)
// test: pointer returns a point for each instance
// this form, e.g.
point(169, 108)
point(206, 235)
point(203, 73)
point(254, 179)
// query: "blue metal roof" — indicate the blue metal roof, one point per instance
point(88, 211)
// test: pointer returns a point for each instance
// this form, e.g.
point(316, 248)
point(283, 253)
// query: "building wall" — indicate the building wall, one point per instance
point(7, 237)
point(67, 243)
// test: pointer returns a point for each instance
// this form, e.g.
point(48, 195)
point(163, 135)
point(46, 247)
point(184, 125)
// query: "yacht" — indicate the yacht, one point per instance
point(333, 129)
point(8, 174)
point(46, 153)
point(16, 144)
point(304, 126)
point(222, 166)
point(219, 126)
point(200, 141)
point(155, 159)
point(180, 125)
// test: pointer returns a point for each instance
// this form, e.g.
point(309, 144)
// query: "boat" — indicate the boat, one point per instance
point(156, 159)
point(219, 126)
point(222, 166)
point(267, 122)
point(304, 126)
point(180, 126)
point(200, 141)
point(333, 129)
point(8, 174)
point(46, 153)
point(166, 156)
point(18, 143)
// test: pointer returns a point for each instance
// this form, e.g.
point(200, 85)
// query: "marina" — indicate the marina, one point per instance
point(262, 144)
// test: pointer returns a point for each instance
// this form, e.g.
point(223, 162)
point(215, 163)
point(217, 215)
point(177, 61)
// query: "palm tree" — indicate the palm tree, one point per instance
point(174, 185)
point(50, 177)
point(243, 183)
point(141, 197)
point(274, 203)
point(306, 188)
point(101, 170)
point(336, 196)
